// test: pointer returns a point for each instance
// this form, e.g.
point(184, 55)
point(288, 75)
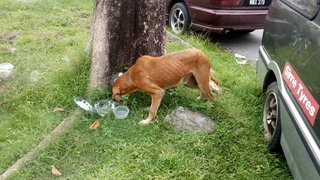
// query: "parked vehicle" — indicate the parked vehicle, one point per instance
point(217, 15)
point(289, 71)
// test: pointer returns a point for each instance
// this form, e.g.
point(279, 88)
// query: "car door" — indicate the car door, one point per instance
point(292, 39)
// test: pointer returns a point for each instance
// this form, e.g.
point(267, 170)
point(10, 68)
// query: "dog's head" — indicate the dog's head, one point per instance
point(116, 94)
point(119, 87)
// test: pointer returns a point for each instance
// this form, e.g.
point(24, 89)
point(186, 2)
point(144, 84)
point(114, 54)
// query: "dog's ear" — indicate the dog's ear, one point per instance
point(116, 90)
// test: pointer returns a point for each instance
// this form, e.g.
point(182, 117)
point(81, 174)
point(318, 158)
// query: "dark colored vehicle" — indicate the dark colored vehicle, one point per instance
point(289, 72)
point(217, 15)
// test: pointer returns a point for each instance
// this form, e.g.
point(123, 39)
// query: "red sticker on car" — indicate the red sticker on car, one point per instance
point(301, 93)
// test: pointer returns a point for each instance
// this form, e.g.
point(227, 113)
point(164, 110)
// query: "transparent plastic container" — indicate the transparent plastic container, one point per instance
point(104, 107)
point(121, 112)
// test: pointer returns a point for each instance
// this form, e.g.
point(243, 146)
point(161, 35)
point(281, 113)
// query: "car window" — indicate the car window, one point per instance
point(308, 8)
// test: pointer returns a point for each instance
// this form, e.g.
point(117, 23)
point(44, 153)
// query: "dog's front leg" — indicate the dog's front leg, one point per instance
point(155, 103)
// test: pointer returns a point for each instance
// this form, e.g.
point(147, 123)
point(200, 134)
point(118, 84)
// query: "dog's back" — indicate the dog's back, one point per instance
point(166, 71)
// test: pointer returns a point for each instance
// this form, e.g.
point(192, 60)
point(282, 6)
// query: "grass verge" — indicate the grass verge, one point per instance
point(120, 149)
point(44, 40)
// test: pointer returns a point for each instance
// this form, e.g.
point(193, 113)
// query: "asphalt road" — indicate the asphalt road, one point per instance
point(245, 44)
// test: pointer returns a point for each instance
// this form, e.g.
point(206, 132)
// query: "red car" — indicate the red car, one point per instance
point(219, 16)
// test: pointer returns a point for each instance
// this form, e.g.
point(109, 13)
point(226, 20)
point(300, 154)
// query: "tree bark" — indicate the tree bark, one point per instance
point(122, 31)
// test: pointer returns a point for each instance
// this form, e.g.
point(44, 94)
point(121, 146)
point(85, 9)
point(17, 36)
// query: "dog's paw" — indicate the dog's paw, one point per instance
point(201, 98)
point(144, 122)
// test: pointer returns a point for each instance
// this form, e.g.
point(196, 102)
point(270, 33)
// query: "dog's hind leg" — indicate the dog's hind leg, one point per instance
point(214, 80)
point(203, 79)
point(156, 96)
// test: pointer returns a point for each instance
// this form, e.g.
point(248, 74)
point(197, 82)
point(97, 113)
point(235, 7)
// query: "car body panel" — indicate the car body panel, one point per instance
point(303, 162)
point(207, 16)
point(293, 37)
point(219, 20)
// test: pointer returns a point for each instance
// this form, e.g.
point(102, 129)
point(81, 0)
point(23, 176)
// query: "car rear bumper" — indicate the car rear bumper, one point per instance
point(300, 148)
point(227, 19)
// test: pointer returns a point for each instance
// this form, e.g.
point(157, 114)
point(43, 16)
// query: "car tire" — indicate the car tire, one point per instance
point(179, 18)
point(271, 118)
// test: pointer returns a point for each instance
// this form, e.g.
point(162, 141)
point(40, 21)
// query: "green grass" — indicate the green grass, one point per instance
point(120, 149)
point(44, 34)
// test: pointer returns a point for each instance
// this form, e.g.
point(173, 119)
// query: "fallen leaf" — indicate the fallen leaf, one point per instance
point(254, 163)
point(160, 151)
point(55, 171)
point(95, 125)
point(193, 115)
point(58, 109)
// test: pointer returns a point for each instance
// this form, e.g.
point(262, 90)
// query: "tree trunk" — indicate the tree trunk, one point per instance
point(122, 31)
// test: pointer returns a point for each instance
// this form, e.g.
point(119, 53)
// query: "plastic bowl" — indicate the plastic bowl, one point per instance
point(121, 112)
point(103, 107)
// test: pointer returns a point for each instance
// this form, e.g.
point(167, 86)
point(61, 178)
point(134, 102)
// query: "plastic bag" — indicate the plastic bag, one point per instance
point(5, 70)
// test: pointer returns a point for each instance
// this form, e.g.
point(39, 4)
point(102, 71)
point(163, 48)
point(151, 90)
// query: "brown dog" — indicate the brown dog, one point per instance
point(155, 74)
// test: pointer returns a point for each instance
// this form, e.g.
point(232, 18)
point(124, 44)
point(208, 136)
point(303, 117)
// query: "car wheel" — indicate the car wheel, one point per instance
point(179, 19)
point(271, 118)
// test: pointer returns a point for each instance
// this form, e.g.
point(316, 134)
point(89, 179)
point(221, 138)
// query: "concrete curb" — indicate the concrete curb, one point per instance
point(175, 38)
point(65, 124)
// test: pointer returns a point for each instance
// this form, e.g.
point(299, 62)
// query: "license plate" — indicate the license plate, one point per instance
point(257, 2)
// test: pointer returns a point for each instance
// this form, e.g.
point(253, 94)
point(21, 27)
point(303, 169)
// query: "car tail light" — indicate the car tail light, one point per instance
point(227, 2)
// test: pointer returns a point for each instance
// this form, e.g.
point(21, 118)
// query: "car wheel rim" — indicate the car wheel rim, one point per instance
point(177, 21)
point(270, 115)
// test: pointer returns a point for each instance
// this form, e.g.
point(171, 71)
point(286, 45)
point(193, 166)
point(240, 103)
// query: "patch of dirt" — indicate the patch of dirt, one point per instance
point(84, 14)
point(3, 15)
point(4, 49)
point(59, 35)
point(8, 37)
